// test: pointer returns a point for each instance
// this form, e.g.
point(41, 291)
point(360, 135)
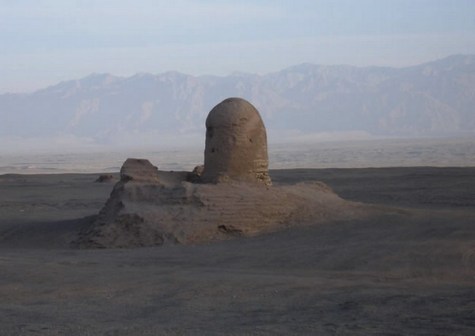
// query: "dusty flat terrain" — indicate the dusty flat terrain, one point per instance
point(410, 271)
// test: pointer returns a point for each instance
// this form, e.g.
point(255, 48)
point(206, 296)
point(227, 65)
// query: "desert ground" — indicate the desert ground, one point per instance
point(409, 270)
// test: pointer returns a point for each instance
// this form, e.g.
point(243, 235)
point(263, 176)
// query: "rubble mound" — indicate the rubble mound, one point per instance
point(164, 207)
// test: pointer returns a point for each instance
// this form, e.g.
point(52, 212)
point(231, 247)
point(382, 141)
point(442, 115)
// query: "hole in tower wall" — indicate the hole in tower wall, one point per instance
point(209, 132)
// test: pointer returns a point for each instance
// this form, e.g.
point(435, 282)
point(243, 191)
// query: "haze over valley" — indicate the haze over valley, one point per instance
point(300, 104)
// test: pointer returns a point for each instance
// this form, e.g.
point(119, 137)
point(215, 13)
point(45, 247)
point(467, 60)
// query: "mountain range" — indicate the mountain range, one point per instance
point(430, 99)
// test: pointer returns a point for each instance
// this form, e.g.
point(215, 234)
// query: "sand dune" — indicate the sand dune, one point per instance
point(409, 269)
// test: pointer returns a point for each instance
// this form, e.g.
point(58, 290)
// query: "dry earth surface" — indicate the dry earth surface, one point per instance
point(407, 271)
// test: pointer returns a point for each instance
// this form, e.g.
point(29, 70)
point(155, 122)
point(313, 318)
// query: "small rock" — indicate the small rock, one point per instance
point(105, 178)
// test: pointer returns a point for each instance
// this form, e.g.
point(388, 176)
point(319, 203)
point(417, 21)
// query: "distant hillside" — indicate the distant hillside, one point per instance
point(436, 98)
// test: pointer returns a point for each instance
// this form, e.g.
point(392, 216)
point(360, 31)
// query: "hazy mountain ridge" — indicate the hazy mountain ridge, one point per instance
point(436, 98)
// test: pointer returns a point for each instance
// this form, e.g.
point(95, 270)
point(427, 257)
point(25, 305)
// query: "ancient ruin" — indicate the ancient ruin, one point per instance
point(230, 196)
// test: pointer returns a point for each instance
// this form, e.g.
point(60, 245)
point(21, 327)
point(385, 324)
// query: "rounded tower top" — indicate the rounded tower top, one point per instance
point(236, 144)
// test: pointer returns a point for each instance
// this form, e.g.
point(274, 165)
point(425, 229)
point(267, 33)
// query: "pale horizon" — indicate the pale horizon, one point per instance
point(128, 75)
point(47, 42)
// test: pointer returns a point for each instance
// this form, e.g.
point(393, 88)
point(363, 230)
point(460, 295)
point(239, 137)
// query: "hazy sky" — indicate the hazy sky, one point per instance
point(46, 41)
